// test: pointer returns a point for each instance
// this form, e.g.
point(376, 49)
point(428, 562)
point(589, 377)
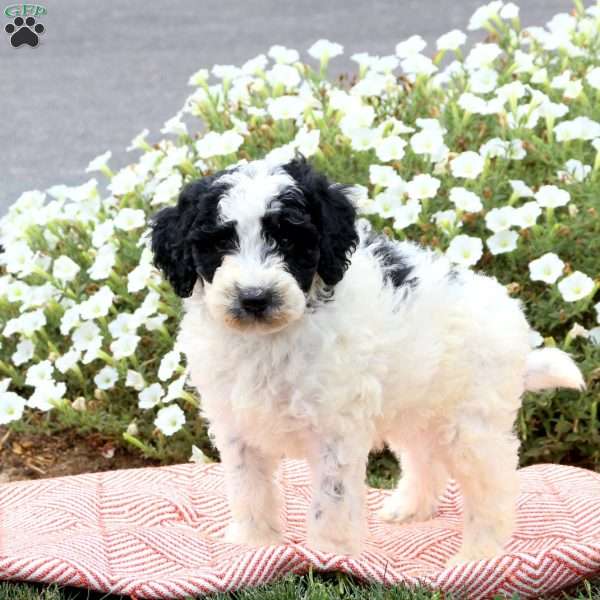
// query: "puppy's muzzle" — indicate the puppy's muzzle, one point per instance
point(256, 302)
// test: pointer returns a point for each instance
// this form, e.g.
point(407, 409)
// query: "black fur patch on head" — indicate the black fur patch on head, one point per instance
point(332, 215)
point(188, 240)
point(288, 227)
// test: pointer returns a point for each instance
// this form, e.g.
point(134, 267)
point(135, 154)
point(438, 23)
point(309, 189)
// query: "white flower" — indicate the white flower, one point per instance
point(101, 268)
point(135, 380)
point(99, 163)
point(102, 233)
point(594, 336)
point(465, 250)
point(139, 277)
point(39, 374)
point(445, 219)
point(499, 219)
point(575, 170)
point(593, 77)
point(465, 200)
point(124, 346)
point(106, 378)
point(364, 139)
point(385, 203)
point(494, 148)
point(170, 419)
point(98, 304)
point(576, 286)
point(199, 77)
point(413, 45)
point(357, 117)
point(384, 176)
point(175, 389)
point(307, 141)
point(526, 216)
point(11, 407)
point(170, 362)
point(129, 219)
point(323, 50)
point(548, 268)
point(509, 11)
point(520, 189)
point(468, 165)
point(47, 396)
point(503, 241)
point(597, 309)
point(256, 65)
point(124, 181)
point(18, 258)
point(198, 457)
point(286, 107)
point(451, 41)
point(220, 144)
point(407, 214)
point(283, 55)
point(167, 189)
point(390, 148)
point(139, 141)
point(482, 81)
point(86, 335)
point(150, 396)
point(65, 269)
point(511, 92)
point(226, 72)
point(482, 55)
point(23, 353)
point(283, 75)
point(429, 141)
point(422, 186)
point(580, 128)
point(550, 196)
point(417, 64)
point(67, 361)
point(483, 14)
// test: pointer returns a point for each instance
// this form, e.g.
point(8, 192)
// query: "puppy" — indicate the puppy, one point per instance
point(309, 336)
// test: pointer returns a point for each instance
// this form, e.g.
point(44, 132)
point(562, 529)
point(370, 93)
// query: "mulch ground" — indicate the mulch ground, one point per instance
point(32, 456)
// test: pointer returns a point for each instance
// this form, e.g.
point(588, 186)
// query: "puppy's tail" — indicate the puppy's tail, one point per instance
point(552, 368)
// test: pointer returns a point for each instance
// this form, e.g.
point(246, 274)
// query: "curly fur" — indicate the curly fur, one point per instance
point(347, 343)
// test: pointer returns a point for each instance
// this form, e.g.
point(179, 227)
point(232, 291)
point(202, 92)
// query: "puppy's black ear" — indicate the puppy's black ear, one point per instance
point(171, 228)
point(333, 214)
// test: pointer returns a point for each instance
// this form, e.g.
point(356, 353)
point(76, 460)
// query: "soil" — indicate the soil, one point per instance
point(33, 456)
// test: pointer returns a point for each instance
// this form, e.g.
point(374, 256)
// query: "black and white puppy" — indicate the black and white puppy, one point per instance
point(308, 336)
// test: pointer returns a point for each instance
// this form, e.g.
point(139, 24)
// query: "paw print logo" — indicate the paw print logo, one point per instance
point(24, 31)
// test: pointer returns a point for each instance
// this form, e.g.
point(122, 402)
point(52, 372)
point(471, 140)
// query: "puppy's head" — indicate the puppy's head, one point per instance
point(258, 238)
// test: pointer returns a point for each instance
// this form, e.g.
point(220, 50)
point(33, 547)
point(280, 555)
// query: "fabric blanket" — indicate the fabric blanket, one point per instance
point(156, 533)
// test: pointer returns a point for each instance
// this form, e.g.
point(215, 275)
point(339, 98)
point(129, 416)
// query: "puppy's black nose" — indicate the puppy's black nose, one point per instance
point(255, 301)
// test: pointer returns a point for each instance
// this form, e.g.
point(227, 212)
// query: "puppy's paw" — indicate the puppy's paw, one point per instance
point(252, 535)
point(336, 545)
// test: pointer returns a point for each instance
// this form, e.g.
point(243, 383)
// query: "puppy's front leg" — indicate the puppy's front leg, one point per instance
point(251, 491)
point(336, 521)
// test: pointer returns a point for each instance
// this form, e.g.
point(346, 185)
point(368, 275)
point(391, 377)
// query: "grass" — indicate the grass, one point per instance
point(308, 587)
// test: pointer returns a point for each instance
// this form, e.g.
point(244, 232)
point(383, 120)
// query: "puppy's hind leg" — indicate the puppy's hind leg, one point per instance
point(484, 463)
point(423, 480)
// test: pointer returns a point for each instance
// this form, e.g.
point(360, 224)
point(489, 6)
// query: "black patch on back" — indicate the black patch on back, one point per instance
point(394, 265)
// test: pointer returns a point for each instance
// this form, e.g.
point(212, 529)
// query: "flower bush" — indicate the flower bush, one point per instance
point(488, 153)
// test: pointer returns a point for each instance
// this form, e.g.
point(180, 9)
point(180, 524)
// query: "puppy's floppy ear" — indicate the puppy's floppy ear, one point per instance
point(171, 228)
point(333, 213)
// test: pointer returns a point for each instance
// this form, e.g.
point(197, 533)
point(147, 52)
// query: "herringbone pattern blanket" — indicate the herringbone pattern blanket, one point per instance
point(155, 533)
